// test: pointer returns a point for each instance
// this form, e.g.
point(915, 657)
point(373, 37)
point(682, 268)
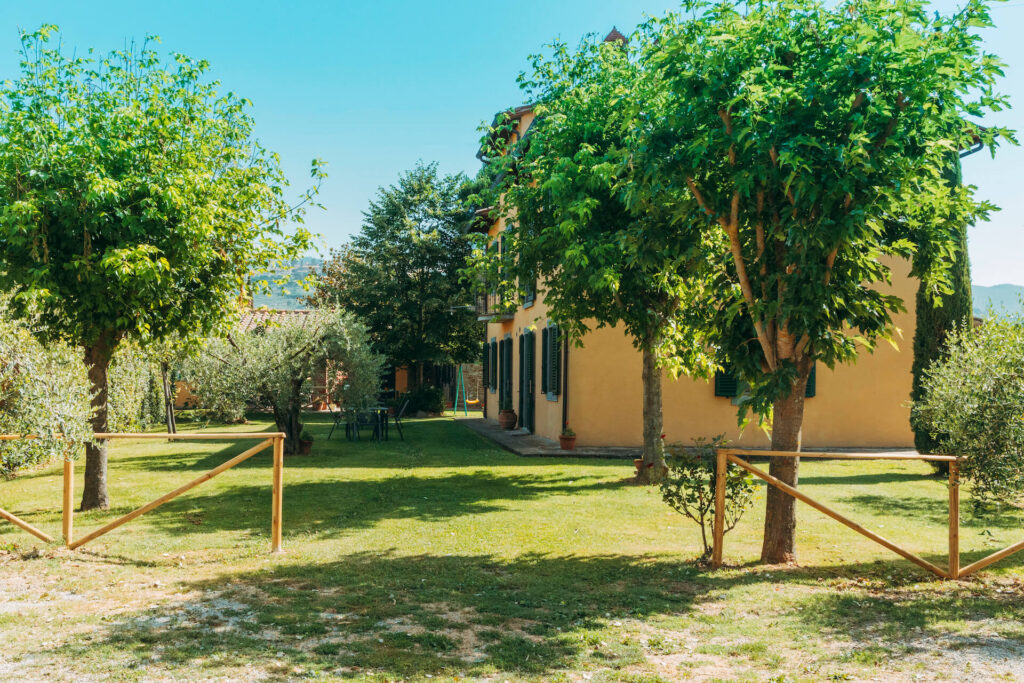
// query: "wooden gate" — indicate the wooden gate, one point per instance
point(954, 571)
point(273, 440)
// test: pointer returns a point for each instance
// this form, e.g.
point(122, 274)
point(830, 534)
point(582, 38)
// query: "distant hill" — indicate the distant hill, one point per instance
point(287, 297)
point(998, 299)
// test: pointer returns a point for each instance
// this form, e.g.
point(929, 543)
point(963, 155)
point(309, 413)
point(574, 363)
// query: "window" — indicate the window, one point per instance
point(529, 293)
point(728, 384)
point(493, 384)
point(544, 359)
point(487, 364)
point(551, 362)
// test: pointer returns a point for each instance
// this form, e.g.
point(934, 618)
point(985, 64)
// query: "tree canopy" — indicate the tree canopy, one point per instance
point(135, 203)
point(570, 228)
point(400, 274)
point(809, 143)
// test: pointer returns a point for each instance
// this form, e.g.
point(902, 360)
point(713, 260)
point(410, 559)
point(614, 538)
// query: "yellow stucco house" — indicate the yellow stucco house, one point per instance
point(596, 389)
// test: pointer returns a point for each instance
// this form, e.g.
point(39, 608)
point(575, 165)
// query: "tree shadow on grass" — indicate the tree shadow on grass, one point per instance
point(480, 615)
point(430, 443)
point(931, 510)
point(333, 507)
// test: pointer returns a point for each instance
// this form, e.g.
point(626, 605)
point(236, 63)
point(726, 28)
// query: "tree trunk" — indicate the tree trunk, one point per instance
point(779, 545)
point(97, 359)
point(653, 469)
point(289, 421)
point(172, 426)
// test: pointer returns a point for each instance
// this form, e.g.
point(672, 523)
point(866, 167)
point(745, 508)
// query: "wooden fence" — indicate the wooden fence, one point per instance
point(954, 571)
point(273, 440)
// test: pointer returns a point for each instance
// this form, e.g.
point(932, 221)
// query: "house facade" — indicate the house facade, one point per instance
point(596, 389)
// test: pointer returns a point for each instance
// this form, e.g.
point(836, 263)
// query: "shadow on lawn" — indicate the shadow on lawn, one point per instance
point(430, 443)
point(410, 616)
point(334, 507)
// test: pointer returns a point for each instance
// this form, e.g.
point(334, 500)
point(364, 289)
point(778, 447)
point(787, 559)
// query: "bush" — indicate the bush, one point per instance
point(689, 487)
point(427, 398)
point(973, 405)
point(43, 391)
point(134, 391)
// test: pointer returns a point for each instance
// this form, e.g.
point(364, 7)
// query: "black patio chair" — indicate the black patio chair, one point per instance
point(367, 419)
point(339, 415)
point(398, 418)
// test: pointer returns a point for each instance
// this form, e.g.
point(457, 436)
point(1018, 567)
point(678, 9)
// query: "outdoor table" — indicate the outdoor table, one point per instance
point(379, 421)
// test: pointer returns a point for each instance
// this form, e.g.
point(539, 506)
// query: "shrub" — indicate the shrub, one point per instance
point(426, 398)
point(134, 394)
point(43, 391)
point(689, 487)
point(973, 405)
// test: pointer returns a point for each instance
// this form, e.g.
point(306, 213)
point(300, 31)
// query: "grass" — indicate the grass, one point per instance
point(443, 557)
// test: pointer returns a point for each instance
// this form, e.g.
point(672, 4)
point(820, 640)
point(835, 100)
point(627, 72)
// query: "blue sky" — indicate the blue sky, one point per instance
point(372, 87)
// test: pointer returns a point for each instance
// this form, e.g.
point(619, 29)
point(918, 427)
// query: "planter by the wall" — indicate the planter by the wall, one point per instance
point(507, 419)
point(568, 443)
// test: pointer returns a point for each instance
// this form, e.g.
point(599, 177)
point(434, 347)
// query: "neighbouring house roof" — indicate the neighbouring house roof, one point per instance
point(616, 37)
point(262, 317)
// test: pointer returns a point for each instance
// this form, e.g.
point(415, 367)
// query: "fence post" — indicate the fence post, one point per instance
point(68, 512)
point(275, 521)
point(954, 519)
point(719, 532)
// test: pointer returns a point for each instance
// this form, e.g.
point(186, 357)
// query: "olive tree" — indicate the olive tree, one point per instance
point(973, 405)
point(272, 366)
point(44, 392)
point(808, 142)
point(135, 204)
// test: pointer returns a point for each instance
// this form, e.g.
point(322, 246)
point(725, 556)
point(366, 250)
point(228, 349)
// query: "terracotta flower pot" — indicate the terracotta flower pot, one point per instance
point(568, 443)
point(507, 419)
point(638, 463)
point(305, 447)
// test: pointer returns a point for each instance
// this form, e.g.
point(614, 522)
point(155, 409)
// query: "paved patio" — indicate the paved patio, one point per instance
point(521, 442)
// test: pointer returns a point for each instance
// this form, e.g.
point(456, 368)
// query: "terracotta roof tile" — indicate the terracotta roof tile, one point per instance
point(615, 37)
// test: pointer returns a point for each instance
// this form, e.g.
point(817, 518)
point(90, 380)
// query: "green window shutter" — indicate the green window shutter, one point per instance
point(555, 351)
point(531, 352)
point(812, 382)
point(726, 384)
point(545, 359)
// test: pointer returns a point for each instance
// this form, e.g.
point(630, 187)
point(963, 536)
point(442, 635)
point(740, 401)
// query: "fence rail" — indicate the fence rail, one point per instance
point(273, 440)
point(724, 456)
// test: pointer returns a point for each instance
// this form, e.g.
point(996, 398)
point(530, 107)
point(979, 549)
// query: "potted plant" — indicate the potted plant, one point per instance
point(305, 442)
point(567, 439)
point(507, 418)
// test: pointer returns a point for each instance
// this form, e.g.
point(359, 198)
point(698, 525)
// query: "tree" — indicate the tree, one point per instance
point(689, 488)
point(272, 366)
point(569, 223)
point(809, 142)
point(937, 317)
point(400, 274)
point(44, 392)
point(135, 205)
point(971, 405)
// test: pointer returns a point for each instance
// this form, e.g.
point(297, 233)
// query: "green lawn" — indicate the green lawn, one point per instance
point(443, 557)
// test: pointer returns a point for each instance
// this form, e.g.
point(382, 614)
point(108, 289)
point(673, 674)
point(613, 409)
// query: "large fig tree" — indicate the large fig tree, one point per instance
point(134, 203)
point(809, 141)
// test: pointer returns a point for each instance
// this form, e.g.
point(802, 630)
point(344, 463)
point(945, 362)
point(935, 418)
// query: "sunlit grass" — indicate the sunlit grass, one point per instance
point(446, 556)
